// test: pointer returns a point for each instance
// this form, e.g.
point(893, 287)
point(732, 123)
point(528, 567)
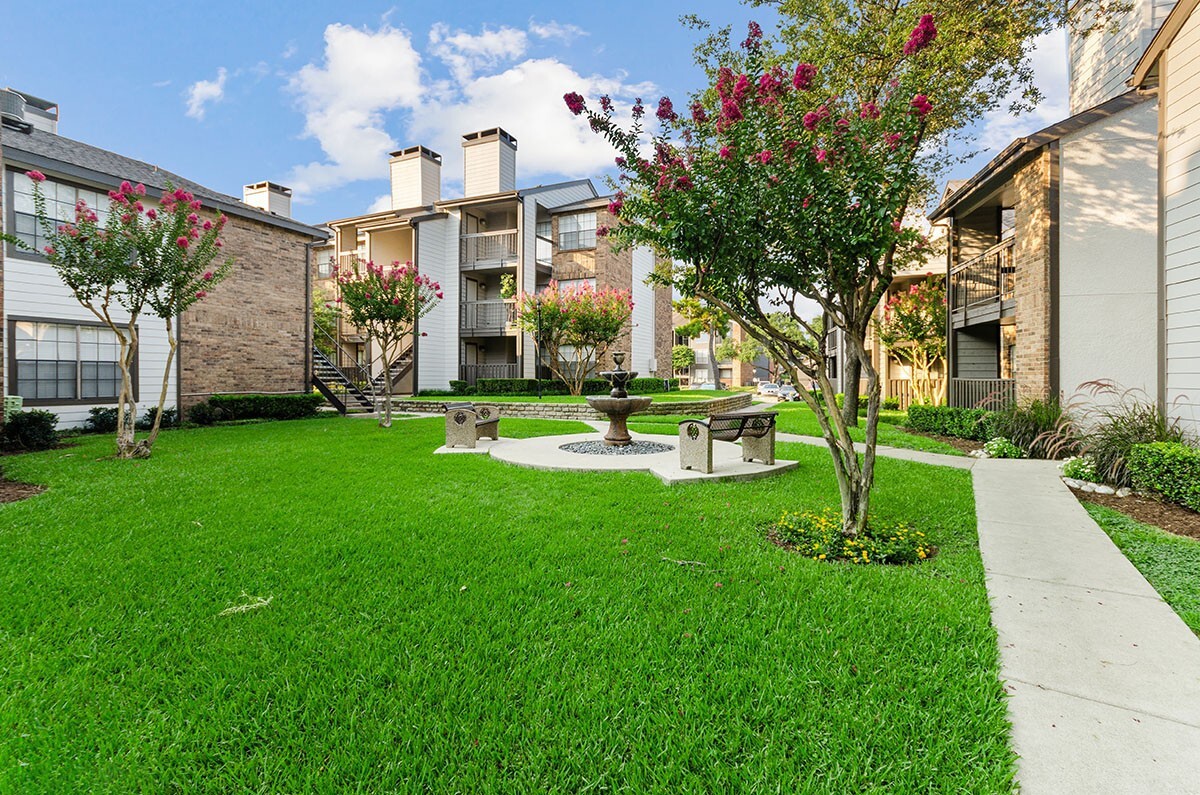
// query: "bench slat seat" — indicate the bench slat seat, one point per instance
point(755, 429)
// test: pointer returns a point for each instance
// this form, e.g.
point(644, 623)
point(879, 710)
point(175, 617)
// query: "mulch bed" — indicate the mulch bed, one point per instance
point(1147, 510)
point(11, 490)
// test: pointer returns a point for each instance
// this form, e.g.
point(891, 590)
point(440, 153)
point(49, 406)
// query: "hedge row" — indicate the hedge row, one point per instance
point(529, 386)
point(962, 423)
point(1169, 468)
point(255, 407)
point(27, 431)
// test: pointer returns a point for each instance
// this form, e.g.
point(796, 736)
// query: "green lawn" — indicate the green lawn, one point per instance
point(660, 397)
point(1168, 561)
point(799, 419)
point(450, 623)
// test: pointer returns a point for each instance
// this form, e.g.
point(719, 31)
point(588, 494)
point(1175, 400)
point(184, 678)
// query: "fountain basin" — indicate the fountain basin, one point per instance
point(618, 410)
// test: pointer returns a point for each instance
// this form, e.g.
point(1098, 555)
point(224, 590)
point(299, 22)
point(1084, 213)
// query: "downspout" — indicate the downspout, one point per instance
point(416, 332)
point(1053, 178)
point(308, 318)
point(1161, 391)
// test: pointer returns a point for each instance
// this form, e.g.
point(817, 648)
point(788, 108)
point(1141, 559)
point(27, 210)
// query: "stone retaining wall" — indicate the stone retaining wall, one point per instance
point(582, 411)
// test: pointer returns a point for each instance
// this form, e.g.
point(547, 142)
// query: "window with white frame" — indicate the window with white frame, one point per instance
point(577, 231)
point(325, 263)
point(61, 361)
point(61, 199)
point(567, 284)
point(544, 229)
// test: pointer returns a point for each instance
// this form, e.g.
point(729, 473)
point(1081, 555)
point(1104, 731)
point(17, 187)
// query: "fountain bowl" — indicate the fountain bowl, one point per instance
point(618, 411)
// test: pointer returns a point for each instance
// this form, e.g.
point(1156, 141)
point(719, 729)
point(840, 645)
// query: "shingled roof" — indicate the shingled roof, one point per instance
point(59, 155)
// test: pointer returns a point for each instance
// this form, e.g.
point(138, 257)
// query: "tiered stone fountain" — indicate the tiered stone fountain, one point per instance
point(618, 406)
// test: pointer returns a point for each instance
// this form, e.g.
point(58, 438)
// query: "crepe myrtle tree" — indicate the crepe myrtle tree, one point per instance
point(386, 302)
point(913, 328)
point(574, 326)
point(772, 190)
point(163, 259)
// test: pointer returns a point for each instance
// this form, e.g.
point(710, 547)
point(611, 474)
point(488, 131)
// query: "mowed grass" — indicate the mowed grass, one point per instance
point(686, 395)
point(452, 624)
point(799, 419)
point(1169, 562)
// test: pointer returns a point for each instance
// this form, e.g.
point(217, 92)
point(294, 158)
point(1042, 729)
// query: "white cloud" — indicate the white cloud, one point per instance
point(556, 30)
point(464, 53)
point(526, 100)
point(381, 203)
point(290, 50)
point(205, 92)
point(365, 74)
point(1049, 60)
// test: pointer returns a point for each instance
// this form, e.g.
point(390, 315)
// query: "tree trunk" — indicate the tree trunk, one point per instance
point(127, 445)
point(851, 372)
point(712, 355)
point(385, 345)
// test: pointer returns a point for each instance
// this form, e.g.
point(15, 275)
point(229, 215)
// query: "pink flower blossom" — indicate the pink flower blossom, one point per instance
point(638, 110)
point(575, 102)
point(602, 230)
point(139, 189)
point(821, 155)
point(741, 88)
point(208, 276)
point(36, 176)
point(803, 77)
point(439, 294)
point(195, 205)
point(426, 333)
point(725, 153)
point(666, 110)
point(182, 242)
point(152, 214)
point(698, 114)
point(139, 206)
point(896, 225)
point(207, 226)
point(617, 203)
point(922, 35)
point(606, 103)
point(730, 112)
point(764, 156)
point(921, 105)
point(193, 218)
point(49, 251)
point(869, 111)
point(753, 36)
point(218, 244)
point(892, 140)
point(201, 294)
point(126, 186)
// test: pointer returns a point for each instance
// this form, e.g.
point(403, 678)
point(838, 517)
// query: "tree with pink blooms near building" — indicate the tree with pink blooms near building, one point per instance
point(160, 258)
point(574, 326)
point(913, 329)
point(386, 302)
point(774, 190)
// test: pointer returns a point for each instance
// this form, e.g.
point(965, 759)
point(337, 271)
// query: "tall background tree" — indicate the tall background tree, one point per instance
point(913, 329)
point(704, 318)
point(386, 302)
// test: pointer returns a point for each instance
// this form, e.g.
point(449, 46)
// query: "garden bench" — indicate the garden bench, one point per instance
point(466, 424)
point(755, 428)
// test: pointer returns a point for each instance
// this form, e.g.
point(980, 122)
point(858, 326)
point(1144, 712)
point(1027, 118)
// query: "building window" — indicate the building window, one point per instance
point(57, 362)
point(60, 206)
point(544, 229)
point(325, 263)
point(567, 284)
point(577, 231)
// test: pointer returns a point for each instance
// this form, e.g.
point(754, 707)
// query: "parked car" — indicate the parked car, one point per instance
point(788, 392)
point(709, 386)
point(767, 389)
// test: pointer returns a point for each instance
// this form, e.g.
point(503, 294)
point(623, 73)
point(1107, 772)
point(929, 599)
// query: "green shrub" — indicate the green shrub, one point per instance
point(891, 404)
point(1171, 469)
point(30, 430)
point(950, 421)
point(506, 386)
point(101, 420)
point(460, 388)
point(818, 535)
point(267, 407)
point(999, 447)
point(170, 419)
point(646, 386)
point(1116, 426)
point(1042, 427)
point(204, 414)
point(1081, 468)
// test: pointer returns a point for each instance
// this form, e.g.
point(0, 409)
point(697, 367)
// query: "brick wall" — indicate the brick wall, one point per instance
point(1031, 365)
point(251, 333)
point(582, 411)
point(664, 331)
point(613, 269)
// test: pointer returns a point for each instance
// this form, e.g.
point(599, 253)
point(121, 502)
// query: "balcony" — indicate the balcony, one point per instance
point(982, 289)
point(471, 373)
point(487, 317)
point(488, 249)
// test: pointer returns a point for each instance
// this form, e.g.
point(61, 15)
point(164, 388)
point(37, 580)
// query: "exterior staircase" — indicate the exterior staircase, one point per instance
point(344, 390)
point(400, 368)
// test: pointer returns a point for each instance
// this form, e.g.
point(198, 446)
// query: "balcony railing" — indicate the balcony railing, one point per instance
point(488, 316)
point(901, 389)
point(487, 249)
point(988, 278)
point(990, 393)
point(473, 372)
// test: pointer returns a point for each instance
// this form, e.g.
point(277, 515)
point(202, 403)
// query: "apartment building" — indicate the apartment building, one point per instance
point(1052, 256)
point(251, 334)
point(493, 243)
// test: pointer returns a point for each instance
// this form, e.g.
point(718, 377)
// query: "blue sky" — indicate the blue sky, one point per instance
point(315, 95)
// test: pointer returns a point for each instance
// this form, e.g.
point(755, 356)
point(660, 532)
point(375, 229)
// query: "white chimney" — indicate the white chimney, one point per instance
point(489, 162)
point(416, 177)
point(267, 196)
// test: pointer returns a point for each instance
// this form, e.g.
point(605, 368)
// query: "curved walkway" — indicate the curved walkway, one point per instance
point(1103, 677)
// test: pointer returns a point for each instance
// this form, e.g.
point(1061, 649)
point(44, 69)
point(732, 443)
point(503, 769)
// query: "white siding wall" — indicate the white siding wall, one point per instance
point(527, 272)
point(1103, 60)
point(642, 354)
point(1181, 226)
point(1108, 254)
point(33, 290)
point(437, 256)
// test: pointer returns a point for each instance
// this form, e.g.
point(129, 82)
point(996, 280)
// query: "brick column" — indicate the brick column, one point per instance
point(1031, 365)
point(613, 269)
